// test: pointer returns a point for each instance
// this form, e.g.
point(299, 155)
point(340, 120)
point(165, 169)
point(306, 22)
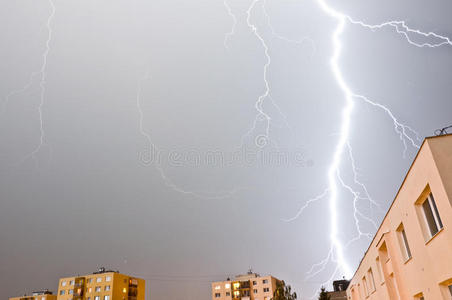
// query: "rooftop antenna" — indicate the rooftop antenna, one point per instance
point(443, 131)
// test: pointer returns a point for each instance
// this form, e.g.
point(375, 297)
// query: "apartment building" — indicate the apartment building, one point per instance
point(38, 295)
point(101, 285)
point(250, 286)
point(410, 256)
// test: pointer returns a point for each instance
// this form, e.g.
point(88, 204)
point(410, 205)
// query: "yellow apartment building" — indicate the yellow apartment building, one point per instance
point(101, 285)
point(410, 257)
point(250, 286)
point(39, 295)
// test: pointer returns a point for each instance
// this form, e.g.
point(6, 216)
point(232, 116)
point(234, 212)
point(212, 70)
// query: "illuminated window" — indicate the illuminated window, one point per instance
point(403, 241)
point(217, 287)
point(106, 297)
point(227, 286)
point(431, 215)
point(97, 298)
point(236, 285)
point(99, 279)
point(108, 278)
point(236, 294)
point(63, 283)
point(90, 290)
point(217, 295)
point(124, 290)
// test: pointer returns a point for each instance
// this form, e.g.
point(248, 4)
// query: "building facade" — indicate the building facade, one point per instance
point(101, 285)
point(410, 256)
point(39, 295)
point(250, 286)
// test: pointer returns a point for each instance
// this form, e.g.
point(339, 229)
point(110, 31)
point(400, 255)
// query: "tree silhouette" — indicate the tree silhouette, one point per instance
point(323, 294)
point(283, 292)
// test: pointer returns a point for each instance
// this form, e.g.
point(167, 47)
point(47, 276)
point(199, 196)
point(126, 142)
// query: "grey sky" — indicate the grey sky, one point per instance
point(90, 197)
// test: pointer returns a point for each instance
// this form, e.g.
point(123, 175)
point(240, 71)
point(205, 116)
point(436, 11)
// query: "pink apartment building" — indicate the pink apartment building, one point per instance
point(410, 256)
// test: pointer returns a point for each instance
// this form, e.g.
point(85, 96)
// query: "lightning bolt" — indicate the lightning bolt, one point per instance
point(229, 34)
point(42, 85)
point(407, 135)
point(155, 153)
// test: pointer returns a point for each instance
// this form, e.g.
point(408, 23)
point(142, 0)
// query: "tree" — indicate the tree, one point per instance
point(283, 292)
point(323, 294)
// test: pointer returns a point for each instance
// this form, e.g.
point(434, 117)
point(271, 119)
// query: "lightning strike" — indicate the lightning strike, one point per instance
point(42, 83)
point(228, 35)
point(397, 25)
point(405, 133)
point(262, 115)
point(155, 155)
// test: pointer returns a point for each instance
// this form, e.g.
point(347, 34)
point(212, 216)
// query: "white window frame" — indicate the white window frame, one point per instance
point(435, 213)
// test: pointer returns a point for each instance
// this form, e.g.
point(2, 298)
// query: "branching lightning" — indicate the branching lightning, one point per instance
point(407, 135)
point(42, 84)
point(153, 153)
point(228, 35)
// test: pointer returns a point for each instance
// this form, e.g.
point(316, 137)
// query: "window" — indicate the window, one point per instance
point(97, 298)
point(403, 241)
point(217, 295)
point(236, 285)
point(62, 292)
point(228, 293)
point(371, 280)
point(124, 290)
point(227, 286)
point(107, 287)
point(90, 280)
point(99, 279)
point(71, 282)
point(254, 282)
point(89, 290)
point(255, 291)
point(71, 292)
point(265, 281)
point(217, 287)
point(106, 297)
point(431, 215)
point(108, 278)
point(97, 289)
point(88, 298)
point(63, 283)
point(266, 290)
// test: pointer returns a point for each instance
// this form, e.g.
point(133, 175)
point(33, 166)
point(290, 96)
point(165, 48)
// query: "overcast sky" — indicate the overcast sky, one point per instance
point(149, 162)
